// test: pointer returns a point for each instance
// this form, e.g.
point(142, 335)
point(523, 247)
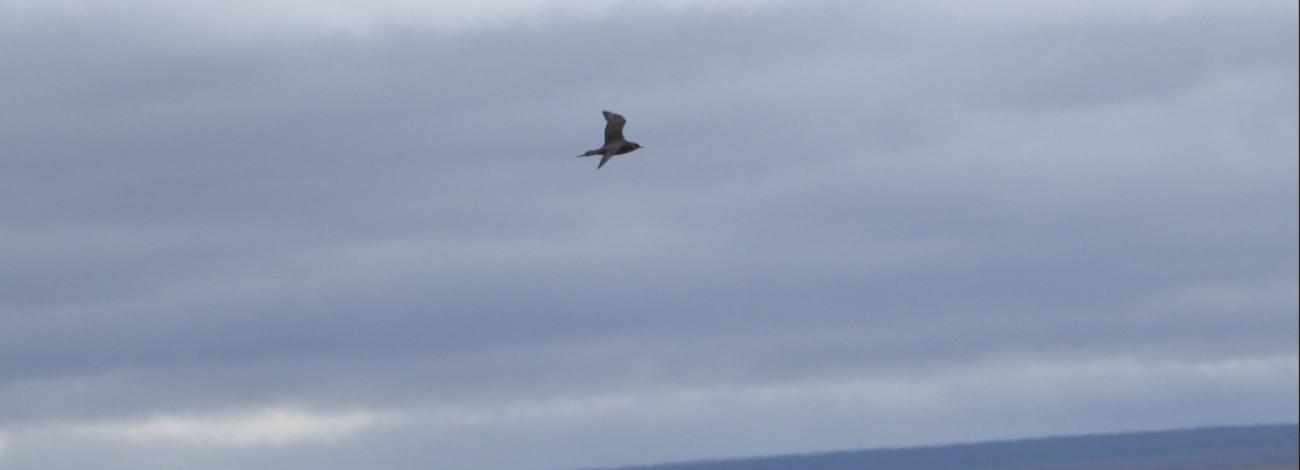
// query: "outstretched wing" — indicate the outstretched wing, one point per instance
point(605, 158)
point(613, 127)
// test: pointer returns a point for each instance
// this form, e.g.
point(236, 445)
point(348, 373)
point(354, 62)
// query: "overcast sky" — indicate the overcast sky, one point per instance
point(291, 234)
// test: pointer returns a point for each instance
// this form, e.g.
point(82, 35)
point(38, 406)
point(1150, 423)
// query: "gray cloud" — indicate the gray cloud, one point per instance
point(830, 194)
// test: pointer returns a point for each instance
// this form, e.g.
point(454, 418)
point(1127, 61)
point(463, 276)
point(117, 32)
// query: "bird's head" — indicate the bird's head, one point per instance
point(635, 145)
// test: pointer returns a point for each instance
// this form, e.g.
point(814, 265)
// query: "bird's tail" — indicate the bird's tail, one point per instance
point(590, 153)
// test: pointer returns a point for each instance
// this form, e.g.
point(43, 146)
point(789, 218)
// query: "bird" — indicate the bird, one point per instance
point(615, 144)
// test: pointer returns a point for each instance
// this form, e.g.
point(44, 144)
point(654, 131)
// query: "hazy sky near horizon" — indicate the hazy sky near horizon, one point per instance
point(290, 234)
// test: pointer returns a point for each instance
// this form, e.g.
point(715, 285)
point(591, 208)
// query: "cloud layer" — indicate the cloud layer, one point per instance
point(314, 234)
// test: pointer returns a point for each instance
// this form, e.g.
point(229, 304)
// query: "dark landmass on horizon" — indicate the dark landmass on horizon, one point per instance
point(1259, 447)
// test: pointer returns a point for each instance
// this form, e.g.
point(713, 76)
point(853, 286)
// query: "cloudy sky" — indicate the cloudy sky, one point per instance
point(296, 234)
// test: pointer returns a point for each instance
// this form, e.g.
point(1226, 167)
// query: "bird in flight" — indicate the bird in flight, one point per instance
point(615, 144)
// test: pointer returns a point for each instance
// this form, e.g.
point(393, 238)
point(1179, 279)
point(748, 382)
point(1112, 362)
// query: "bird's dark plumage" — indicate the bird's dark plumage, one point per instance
point(615, 144)
point(613, 127)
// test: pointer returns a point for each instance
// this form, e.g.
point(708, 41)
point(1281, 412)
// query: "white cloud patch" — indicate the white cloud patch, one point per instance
point(267, 427)
point(1026, 395)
